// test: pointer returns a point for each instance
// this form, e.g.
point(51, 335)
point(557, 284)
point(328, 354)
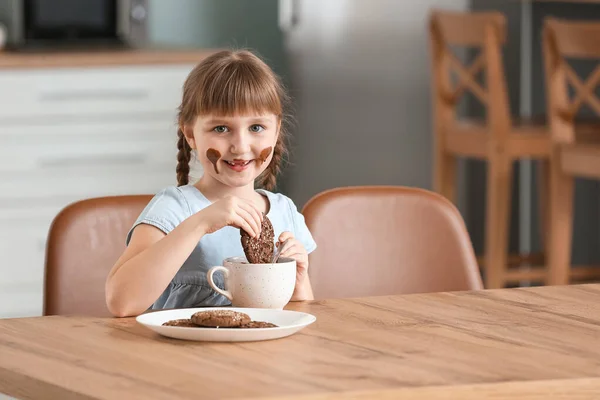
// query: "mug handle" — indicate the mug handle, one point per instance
point(211, 282)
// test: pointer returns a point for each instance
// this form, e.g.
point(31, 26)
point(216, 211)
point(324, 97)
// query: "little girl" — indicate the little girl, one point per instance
point(230, 119)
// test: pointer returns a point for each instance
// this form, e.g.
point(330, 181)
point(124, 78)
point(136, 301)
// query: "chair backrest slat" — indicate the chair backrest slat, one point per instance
point(483, 31)
point(563, 40)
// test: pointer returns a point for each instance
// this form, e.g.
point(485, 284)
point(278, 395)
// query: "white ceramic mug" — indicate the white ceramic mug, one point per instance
point(256, 285)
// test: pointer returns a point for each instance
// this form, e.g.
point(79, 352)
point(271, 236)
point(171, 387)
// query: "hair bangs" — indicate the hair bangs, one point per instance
point(239, 89)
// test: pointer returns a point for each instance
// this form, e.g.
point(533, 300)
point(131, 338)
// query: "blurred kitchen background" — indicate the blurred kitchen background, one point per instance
point(358, 70)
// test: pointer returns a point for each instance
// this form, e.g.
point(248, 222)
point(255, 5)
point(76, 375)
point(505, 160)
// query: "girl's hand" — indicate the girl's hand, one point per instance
point(232, 211)
point(294, 249)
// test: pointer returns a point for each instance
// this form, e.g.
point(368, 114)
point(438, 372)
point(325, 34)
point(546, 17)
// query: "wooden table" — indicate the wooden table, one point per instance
point(535, 343)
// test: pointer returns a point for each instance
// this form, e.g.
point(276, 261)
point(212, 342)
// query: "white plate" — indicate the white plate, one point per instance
point(288, 322)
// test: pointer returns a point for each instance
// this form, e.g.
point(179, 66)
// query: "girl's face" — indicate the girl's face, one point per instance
point(234, 150)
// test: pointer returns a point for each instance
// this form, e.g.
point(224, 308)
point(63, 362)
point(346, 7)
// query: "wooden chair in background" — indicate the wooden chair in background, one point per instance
point(575, 145)
point(498, 139)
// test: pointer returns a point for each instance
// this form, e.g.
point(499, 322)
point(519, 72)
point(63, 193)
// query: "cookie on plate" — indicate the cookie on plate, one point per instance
point(220, 319)
point(184, 323)
point(259, 250)
point(258, 324)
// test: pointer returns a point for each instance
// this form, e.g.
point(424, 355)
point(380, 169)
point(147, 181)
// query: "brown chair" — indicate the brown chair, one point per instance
point(383, 240)
point(84, 241)
point(498, 139)
point(575, 146)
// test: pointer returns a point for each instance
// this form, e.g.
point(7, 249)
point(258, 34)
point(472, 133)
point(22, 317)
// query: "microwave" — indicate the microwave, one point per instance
point(37, 24)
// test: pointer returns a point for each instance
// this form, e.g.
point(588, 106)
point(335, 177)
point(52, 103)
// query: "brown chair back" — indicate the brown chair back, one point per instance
point(383, 240)
point(484, 32)
point(85, 240)
point(564, 40)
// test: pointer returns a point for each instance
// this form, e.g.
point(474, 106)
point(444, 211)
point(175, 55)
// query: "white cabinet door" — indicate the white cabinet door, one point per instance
point(22, 251)
point(90, 91)
point(44, 170)
point(67, 135)
point(86, 160)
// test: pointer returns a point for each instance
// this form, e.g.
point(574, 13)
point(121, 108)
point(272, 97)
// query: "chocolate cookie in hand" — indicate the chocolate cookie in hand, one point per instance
point(259, 250)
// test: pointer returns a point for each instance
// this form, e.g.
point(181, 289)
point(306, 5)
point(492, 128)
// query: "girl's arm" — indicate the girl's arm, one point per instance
point(152, 258)
point(148, 264)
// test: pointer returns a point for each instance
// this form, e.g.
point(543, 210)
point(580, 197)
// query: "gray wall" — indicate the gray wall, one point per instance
point(219, 23)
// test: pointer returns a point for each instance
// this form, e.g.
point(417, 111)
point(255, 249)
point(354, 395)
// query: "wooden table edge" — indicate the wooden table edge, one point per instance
point(575, 388)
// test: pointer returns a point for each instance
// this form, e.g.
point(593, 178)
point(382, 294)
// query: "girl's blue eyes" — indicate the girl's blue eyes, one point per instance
point(253, 128)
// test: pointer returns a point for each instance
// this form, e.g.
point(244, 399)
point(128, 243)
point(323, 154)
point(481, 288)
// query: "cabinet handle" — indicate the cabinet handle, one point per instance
point(97, 159)
point(121, 94)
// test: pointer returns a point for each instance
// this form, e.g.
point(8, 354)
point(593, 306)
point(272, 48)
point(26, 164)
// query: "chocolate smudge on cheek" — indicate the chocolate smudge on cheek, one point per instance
point(213, 156)
point(264, 155)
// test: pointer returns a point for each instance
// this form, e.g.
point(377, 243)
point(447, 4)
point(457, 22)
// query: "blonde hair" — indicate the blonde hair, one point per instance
point(232, 82)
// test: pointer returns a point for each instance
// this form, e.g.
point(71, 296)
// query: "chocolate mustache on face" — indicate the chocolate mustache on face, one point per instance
point(214, 156)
